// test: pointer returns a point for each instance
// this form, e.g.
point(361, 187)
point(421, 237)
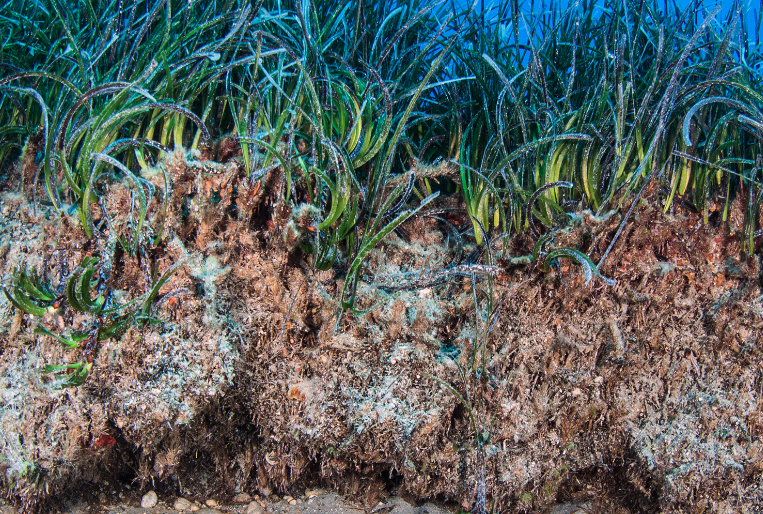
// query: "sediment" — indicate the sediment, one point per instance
point(644, 396)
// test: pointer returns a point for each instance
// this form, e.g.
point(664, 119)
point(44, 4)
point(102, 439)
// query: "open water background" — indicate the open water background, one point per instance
point(750, 10)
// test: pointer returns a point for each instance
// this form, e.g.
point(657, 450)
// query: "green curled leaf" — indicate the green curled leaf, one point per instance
point(34, 286)
point(73, 286)
point(29, 293)
point(741, 106)
point(154, 292)
point(115, 328)
point(71, 295)
point(82, 291)
point(69, 344)
point(589, 268)
point(542, 242)
point(77, 375)
point(24, 303)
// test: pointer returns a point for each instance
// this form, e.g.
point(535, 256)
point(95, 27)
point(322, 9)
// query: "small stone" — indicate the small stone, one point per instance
point(254, 508)
point(195, 508)
point(210, 503)
point(292, 502)
point(310, 493)
point(149, 500)
point(182, 504)
point(242, 498)
point(570, 508)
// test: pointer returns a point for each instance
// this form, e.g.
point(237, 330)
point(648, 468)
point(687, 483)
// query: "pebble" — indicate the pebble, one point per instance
point(242, 498)
point(570, 508)
point(182, 504)
point(149, 500)
point(195, 508)
point(210, 503)
point(310, 493)
point(254, 508)
point(292, 502)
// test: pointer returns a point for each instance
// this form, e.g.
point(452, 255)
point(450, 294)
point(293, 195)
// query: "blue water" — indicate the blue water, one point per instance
point(750, 11)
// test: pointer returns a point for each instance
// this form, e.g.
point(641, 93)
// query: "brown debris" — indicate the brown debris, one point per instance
point(639, 397)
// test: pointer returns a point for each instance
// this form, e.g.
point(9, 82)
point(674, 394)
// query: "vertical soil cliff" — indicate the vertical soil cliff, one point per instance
point(644, 396)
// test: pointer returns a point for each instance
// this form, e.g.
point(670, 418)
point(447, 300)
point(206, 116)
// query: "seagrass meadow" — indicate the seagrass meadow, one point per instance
point(502, 260)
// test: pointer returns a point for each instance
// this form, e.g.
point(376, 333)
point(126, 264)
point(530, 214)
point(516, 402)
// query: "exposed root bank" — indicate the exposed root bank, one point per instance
point(639, 397)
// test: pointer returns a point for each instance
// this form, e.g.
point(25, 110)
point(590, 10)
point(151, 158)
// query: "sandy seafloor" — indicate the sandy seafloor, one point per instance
point(312, 502)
